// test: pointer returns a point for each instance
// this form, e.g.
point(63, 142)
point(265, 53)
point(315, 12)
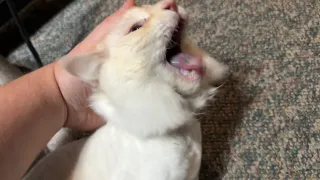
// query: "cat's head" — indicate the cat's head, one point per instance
point(149, 78)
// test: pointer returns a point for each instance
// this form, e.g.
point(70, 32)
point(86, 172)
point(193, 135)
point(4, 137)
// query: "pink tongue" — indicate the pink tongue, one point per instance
point(187, 62)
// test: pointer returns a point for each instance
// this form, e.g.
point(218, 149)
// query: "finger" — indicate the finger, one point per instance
point(128, 4)
point(92, 122)
point(102, 29)
point(104, 26)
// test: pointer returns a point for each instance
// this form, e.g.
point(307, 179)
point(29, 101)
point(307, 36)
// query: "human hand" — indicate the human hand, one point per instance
point(76, 92)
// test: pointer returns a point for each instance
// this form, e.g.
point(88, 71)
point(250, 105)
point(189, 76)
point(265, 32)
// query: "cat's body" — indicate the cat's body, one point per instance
point(149, 91)
point(113, 154)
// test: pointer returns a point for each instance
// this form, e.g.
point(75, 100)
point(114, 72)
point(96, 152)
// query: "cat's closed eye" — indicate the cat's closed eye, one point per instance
point(137, 26)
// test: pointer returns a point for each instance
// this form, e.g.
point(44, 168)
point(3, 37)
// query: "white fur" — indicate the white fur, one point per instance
point(151, 131)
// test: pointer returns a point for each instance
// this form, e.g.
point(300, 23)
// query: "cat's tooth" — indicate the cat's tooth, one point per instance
point(184, 72)
point(194, 74)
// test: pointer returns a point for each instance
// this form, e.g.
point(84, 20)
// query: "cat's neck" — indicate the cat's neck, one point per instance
point(178, 132)
point(144, 113)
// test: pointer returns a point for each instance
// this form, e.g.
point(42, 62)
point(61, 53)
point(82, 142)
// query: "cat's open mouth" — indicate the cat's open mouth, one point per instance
point(187, 65)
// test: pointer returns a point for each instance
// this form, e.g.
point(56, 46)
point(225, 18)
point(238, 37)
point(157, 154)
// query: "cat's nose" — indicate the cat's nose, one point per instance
point(170, 5)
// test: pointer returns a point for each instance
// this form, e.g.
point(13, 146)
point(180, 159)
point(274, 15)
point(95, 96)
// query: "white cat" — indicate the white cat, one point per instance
point(149, 81)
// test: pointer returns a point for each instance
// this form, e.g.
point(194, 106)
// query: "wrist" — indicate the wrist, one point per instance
point(56, 71)
point(34, 110)
point(50, 92)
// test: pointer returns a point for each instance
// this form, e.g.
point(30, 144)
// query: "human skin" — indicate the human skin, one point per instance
point(35, 106)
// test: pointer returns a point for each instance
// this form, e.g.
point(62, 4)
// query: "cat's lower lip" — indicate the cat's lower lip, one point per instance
point(190, 67)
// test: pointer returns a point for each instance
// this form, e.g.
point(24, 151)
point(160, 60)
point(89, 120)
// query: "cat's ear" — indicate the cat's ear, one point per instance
point(84, 66)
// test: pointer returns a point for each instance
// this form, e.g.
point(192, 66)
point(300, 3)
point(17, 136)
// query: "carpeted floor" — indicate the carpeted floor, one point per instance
point(266, 122)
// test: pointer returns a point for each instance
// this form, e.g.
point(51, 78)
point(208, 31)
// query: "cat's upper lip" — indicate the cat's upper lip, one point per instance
point(174, 44)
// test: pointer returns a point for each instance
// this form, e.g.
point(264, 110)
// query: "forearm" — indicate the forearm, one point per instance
point(32, 110)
